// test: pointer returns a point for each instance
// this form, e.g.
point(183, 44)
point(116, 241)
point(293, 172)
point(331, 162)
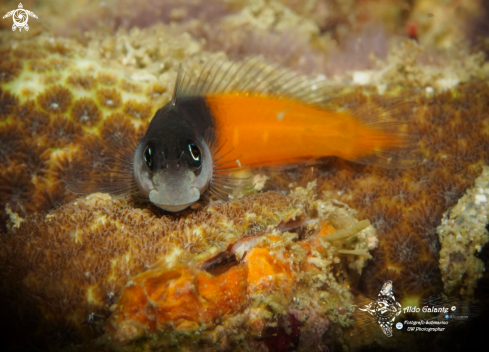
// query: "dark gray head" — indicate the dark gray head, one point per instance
point(173, 163)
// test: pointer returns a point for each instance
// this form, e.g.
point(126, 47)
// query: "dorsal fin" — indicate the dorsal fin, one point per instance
point(177, 85)
point(254, 76)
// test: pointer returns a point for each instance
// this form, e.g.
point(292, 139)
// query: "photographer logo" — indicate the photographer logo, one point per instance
point(20, 17)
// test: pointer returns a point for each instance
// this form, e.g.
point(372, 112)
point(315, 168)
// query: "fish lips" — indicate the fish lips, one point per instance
point(174, 190)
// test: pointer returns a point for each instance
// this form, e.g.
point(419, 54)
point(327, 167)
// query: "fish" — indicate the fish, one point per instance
point(242, 115)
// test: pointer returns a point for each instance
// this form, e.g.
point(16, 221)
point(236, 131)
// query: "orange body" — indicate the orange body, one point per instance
point(266, 130)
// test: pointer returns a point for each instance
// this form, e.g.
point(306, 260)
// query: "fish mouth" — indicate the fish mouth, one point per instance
point(170, 202)
point(174, 208)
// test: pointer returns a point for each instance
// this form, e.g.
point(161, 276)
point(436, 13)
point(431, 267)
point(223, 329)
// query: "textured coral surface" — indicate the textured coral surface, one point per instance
point(98, 256)
point(103, 273)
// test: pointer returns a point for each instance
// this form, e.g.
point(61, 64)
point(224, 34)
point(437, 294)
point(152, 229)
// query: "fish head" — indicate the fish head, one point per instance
point(173, 163)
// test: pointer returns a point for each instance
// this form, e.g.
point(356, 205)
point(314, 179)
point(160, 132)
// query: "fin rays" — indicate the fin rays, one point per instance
point(223, 184)
point(105, 166)
point(255, 76)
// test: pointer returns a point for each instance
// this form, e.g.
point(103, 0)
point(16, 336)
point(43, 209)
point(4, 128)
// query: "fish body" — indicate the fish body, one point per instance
point(246, 114)
point(267, 130)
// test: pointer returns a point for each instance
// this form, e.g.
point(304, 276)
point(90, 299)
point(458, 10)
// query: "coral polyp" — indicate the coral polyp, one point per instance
point(9, 70)
point(86, 112)
point(109, 98)
point(56, 99)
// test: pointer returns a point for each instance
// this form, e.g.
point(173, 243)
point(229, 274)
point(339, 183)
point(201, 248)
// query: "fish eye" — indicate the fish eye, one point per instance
point(148, 157)
point(194, 152)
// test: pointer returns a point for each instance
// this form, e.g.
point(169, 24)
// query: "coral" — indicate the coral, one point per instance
point(422, 278)
point(156, 90)
point(7, 103)
point(15, 190)
point(404, 248)
point(444, 25)
point(81, 80)
point(384, 218)
point(109, 98)
point(9, 70)
point(51, 196)
point(368, 195)
point(445, 190)
point(86, 112)
point(117, 125)
point(10, 142)
point(463, 234)
point(41, 114)
point(140, 111)
point(48, 65)
point(56, 99)
point(106, 78)
point(407, 206)
point(98, 252)
point(130, 86)
point(34, 51)
point(34, 157)
point(403, 194)
point(61, 131)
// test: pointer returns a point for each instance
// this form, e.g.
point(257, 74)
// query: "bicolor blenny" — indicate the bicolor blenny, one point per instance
point(244, 114)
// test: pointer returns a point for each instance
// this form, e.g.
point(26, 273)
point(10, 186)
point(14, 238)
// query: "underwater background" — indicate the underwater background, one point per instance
point(325, 255)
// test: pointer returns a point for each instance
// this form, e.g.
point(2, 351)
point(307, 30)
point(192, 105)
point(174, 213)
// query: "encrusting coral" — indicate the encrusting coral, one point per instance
point(463, 233)
point(84, 270)
point(156, 277)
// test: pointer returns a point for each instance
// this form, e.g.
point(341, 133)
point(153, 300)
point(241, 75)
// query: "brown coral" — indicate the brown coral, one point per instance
point(10, 142)
point(156, 90)
point(422, 278)
point(106, 78)
point(9, 70)
point(86, 112)
point(16, 189)
point(8, 102)
point(117, 126)
point(407, 206)
point(61, 132)
point(137, 110)
point(48, 65)
point(130, 86)
point(109, 98)
point(89, 249)
point(32, 119)
point(404, 249)
point(31, 52)
point(56, 99)
point(147, 235)
point(84, 81)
